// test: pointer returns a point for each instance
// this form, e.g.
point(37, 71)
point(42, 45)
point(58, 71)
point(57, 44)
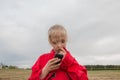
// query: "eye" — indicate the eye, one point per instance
point(63, 41)
point(54, 42)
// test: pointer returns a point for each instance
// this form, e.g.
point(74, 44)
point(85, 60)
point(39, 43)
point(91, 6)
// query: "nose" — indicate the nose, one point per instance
point(59, 45)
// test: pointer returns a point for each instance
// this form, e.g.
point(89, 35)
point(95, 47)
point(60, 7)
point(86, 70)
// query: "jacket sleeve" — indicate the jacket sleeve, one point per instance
point(36, 70)
point(73, 69)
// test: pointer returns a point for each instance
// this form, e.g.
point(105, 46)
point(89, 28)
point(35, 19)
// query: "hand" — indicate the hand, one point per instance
point(62, 51)
point(50, 66)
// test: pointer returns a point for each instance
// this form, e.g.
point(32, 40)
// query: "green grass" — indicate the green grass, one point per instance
point(20, 74)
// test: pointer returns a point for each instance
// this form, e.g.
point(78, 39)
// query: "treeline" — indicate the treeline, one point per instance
point(102, 67)
point(3, 66)
point(89, 67)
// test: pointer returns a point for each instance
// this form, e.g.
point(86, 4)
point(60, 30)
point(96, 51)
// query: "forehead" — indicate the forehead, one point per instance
point(58, 36)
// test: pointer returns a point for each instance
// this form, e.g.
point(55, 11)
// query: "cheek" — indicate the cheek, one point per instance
point(64, 45)
point(54, 46)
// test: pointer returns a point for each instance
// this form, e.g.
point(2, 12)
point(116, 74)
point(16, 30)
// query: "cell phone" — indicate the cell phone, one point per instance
point(59, 56)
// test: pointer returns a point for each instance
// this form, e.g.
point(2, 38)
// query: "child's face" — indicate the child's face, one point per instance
point(58, 43)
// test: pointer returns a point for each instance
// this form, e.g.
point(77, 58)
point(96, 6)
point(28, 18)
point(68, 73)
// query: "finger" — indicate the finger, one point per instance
point(55, 66)
point(63, 50)
point(58, 60)
point(52, 60)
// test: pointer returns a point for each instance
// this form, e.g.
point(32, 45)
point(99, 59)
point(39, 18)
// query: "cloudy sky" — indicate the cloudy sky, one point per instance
point(93, 27)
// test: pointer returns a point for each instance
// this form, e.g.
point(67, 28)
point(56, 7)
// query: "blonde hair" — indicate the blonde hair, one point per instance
point(57, 31)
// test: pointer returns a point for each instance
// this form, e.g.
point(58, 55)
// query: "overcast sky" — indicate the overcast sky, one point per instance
point(93, 27)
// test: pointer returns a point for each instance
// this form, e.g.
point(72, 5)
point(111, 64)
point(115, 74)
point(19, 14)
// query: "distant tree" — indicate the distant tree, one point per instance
point(13, 67)
point(102, 67)
point(0, 65)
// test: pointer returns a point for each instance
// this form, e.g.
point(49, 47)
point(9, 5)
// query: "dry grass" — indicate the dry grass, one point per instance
point(104, 75)
point(16, 74)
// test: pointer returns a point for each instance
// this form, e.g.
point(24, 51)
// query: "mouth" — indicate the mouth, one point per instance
point(59, 50)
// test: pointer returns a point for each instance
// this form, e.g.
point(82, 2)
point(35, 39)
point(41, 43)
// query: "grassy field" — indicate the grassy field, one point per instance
point(16, 74)
point(104, 75)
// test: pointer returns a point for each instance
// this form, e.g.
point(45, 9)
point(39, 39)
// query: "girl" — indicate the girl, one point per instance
point(67, 68)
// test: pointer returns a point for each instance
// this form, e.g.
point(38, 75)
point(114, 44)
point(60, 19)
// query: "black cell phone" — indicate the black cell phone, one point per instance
point(59, 56)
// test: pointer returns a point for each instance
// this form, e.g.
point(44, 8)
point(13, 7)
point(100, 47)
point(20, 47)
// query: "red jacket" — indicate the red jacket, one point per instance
point(69, 69)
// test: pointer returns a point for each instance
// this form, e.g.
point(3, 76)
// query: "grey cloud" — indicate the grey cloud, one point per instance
point(93, 29)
